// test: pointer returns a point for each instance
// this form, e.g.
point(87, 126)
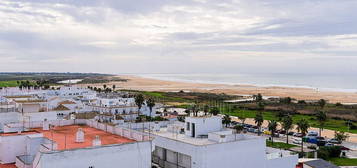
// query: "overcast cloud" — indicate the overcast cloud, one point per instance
point(178, 36)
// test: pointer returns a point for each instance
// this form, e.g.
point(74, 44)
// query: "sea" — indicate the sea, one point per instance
point(323, 82)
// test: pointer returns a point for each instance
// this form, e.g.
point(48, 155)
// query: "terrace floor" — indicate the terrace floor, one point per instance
point(65, 137)
point(7, 166)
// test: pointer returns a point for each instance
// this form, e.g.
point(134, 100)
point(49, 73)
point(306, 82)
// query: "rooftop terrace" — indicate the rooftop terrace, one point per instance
point(200, 141)
point(65, 137)
point(7, 166)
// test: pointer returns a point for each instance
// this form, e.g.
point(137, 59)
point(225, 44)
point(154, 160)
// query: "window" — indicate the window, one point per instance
point(187, 126)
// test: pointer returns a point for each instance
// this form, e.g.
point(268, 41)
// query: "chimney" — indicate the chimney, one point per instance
point(45, 125)
point(156, 126)
point(96, 141)
point(80, 135)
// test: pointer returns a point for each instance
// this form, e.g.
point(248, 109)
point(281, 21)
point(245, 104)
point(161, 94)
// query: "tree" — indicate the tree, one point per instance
point(280, 114)
point(321, 119)
point(285, 100)
point(238, 128)
point(340, 136)
point(242, 118)
point(258, 97)
point(322, 103)
point(113, 87)
point(139, 101)
point(206, 109)
point(226, 120)
point(261, 106)
point(272, 126)
point(104, 86)
point(258, 119)
point(214, 111)
point(302, 127)
point(287, 124)
point(195, 109)
point(150, 103)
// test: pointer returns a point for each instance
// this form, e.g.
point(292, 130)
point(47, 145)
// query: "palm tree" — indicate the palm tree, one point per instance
point(302, 127)
point(238, 128)
point(195, 109)
point(258, 119)
point(150, 103)
point(226, 120)
point(322, 103)
point(321, 119)
point(139, 101)
point(206, 109)
point(214, 111)
point(272, 128)
point(242, 118)
point(287, 124)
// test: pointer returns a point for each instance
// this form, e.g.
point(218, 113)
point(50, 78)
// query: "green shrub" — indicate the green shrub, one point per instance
point(326, 152)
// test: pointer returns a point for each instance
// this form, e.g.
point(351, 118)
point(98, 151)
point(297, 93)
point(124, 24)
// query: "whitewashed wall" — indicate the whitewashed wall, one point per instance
point(131, 155)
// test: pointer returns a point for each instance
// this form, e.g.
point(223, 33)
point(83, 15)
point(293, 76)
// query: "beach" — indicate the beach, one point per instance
point(149, 84)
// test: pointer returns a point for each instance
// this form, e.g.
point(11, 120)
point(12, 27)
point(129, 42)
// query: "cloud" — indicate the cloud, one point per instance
point(173, 36)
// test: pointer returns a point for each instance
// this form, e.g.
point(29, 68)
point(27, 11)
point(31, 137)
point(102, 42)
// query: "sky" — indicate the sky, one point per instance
point(179, 36)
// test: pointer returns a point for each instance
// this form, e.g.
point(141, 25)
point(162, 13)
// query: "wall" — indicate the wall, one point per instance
point(12, 146)
point(203, 125)
point(131, 155)
point(284, 162)
point(8, 118)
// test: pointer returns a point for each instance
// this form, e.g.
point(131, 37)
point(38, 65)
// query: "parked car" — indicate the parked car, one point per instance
point(291, 133)
point(320, 142)
point(297, 140)
point(251, 129)
point(297, 134)
point(282, 132)
point(329, 144)
point(312, 134)
point(334, 141)
point(266, 132)
point(256, 131)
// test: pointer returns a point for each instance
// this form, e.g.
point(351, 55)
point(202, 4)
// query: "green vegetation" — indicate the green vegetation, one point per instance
point(279, 145)
point(8, 84)
point(332, 124)
point(343, 161)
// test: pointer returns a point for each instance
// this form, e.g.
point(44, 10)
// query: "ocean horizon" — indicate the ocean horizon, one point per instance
point(322, 82)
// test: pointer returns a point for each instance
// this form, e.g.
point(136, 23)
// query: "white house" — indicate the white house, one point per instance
point(45, 146)
point(202, 143)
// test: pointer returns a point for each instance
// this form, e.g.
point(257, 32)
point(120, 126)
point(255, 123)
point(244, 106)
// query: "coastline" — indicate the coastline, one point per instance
point(300, 93)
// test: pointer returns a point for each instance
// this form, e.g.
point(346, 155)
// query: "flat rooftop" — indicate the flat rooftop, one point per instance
point(65, 137)
point(195, 141)
point(183, 138)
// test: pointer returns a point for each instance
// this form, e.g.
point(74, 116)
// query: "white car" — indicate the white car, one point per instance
point(297, 140)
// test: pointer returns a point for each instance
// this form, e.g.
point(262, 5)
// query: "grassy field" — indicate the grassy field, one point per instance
point(187, 98)
point(8, 84)
point(332, 124)
point(279, 145)
point(343, 161)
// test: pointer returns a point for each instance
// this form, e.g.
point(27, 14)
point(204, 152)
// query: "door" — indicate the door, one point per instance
point(193, 130)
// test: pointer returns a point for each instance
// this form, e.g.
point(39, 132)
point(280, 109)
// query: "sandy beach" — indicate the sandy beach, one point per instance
point(147, 84)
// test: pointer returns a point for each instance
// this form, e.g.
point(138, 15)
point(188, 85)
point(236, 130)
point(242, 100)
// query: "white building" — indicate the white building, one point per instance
point(43, 148)
point(202, 143)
